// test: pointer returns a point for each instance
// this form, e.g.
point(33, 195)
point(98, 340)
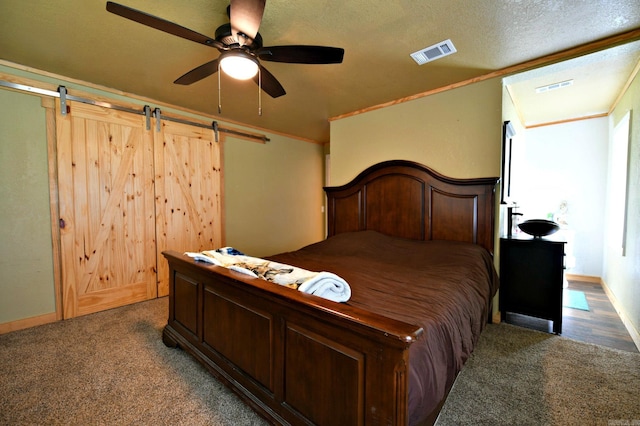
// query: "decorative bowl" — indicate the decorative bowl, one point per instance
point(538, 227)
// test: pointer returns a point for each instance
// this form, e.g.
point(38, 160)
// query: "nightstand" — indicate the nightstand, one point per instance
point(531, 277)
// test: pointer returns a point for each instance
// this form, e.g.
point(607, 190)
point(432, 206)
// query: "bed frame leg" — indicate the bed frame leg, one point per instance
point(168, 340)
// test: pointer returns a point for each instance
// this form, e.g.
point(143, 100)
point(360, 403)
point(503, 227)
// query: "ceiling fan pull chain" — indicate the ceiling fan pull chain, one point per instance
point(259, 92)
point(219, 91)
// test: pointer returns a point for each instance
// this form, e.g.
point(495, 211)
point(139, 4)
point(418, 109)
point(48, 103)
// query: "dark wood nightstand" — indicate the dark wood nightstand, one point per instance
point(531, 277)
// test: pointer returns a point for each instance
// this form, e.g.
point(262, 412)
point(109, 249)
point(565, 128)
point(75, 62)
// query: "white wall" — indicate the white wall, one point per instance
point(622, 272)
point(566, 162)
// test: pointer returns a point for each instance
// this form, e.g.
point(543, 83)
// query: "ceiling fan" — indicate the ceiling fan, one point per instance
point(240, 45)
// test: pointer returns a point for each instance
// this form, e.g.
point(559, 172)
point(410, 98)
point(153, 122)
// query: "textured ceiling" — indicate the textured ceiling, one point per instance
point(597, 80)
point(81, 40)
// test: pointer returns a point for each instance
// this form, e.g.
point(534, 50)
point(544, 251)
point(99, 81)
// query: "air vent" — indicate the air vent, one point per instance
point(434, 52)
point(554, 86)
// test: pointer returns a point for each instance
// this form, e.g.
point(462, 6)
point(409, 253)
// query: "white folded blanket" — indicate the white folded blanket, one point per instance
point(327, 285)
point(323, 284)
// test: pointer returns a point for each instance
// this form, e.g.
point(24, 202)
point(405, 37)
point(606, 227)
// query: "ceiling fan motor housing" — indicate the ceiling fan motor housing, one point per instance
point(225, 36)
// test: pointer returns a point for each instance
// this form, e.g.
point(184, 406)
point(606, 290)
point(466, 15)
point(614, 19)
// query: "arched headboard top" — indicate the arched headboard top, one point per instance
point(409, 200)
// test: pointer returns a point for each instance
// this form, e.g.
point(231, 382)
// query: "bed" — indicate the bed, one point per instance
point(416, 249)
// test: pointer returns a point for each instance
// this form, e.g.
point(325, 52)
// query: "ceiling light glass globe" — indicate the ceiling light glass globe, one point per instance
point(239, 65)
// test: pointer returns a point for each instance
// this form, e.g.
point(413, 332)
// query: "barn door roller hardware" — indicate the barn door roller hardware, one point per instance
point(64, 96)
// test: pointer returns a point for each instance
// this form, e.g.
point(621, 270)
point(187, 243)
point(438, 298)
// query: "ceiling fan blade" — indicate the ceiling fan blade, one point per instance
point(161, 24)
point(197, 74)
point(302, 54)
point(245, 17)
point(269, 83)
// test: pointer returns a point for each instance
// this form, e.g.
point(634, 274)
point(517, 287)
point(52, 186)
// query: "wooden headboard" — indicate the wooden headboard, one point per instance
point(409, 200)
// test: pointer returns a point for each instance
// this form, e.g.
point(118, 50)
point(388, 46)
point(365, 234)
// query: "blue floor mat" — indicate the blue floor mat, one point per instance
point(575, 299)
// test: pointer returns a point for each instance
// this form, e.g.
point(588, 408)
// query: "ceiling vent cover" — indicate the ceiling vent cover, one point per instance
point(554, 86)
point(431, 53)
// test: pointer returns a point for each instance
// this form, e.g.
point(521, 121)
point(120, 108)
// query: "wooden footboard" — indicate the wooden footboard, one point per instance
point(294, 358)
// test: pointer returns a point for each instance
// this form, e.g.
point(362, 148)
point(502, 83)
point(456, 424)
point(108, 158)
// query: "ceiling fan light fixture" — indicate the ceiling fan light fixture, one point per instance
point(238, 64)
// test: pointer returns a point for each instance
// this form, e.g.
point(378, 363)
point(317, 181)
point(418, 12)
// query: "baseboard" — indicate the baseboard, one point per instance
point(8, 327)
point(583, 278)
point(633, 332)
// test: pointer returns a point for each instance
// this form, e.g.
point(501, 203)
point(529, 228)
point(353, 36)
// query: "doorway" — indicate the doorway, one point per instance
point(552, 151)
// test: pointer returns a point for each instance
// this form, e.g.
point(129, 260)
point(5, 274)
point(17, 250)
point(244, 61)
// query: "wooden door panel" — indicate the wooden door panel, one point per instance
point(188, 198)
point(105, 173)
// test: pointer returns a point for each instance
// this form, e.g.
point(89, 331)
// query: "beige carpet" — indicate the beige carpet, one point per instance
point(110, 368)
point(518, 376)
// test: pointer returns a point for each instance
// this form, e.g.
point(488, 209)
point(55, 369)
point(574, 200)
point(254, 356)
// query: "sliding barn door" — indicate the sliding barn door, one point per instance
point(106, 201)
point(188, 197)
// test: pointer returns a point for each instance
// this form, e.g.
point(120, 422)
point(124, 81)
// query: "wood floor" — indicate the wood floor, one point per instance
point(600, 324)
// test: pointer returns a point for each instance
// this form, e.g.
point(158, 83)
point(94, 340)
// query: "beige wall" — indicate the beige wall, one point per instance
point(274, 196)
point(622, 273)
point(457, 133)
point(26, 260)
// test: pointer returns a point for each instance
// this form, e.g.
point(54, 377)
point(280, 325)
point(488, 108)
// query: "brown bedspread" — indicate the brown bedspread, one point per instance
point(444, 287)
